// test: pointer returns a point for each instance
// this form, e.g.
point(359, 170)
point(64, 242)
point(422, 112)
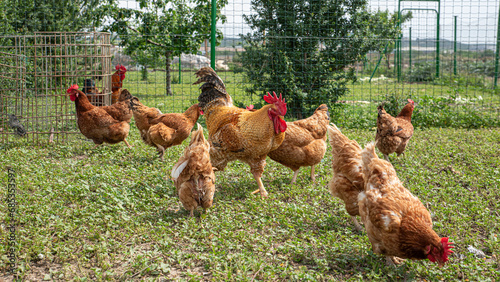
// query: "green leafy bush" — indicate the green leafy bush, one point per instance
point(425, 71)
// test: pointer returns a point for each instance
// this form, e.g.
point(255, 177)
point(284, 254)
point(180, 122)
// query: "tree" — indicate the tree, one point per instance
point(384, 19)
point(304, 48)
point(169, 27)
point(29, 16)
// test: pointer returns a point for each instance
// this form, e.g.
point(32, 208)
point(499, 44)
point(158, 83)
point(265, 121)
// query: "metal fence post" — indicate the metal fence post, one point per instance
point(455, 48)
point(497, 55)
point(213, 34)
point(409, 63)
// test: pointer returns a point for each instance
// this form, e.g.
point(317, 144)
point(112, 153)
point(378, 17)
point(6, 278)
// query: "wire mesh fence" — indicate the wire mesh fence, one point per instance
point(36, 71)
point(352, 56)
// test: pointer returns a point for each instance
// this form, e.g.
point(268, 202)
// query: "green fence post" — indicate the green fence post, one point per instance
point(213, 34)
point(497, 55)
point(455, 48)
point(437, 36)
point(180, 69)
point(410, 53)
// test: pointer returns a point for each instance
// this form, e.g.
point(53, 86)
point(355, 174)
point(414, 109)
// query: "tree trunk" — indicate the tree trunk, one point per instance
point(168, 76)
point(144, 73)
point(388, 60)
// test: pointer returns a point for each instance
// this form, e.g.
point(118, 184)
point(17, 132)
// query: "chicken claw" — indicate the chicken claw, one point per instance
point(128, 145)
point(262, 194)
point(394, 261)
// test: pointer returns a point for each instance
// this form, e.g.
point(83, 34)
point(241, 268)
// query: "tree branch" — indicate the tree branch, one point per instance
point(148, 40)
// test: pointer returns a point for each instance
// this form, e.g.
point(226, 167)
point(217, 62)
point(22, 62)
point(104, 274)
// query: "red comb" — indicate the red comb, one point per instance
point(271, 100)
point(279, 102)
point(411, 101)
point(447, 246)
point(73, 87)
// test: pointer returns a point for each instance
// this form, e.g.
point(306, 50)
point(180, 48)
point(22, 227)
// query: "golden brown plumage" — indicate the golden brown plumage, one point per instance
point(347, 181)
point(101, 124)
point(236, 133)
point(396, 222)
point(304, 143)
point(121, 110)
point(117, 82)
point(142, 116)
point(171, 129)
point(393, 133)
point(193, 174)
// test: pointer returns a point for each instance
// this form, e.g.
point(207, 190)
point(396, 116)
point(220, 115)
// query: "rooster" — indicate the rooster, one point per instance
point(397, 223)
point(347, 181)
point(240, 134)
point(116, 82)
point(108, 124)
point(193, 174)
point(304, 144)
point(393, 133)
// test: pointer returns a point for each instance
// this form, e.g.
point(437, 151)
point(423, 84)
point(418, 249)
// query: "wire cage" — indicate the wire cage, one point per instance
point(36, 70)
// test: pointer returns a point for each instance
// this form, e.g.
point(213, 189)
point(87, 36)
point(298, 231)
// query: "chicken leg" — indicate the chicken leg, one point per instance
point(313, 176)
point(393, 261)
point(295, 173)
point(262, 190)
point(128, 145)
point(357, 226)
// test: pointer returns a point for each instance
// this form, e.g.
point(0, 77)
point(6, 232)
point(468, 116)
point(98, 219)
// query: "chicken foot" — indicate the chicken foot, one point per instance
point(393, 261)
point(313, 176)
point(161, 152)
point(261, 190)
point(357, 226)
point(295, 173)
point(128, 145)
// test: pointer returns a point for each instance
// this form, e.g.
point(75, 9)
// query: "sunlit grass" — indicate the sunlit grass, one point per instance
point(113, 214)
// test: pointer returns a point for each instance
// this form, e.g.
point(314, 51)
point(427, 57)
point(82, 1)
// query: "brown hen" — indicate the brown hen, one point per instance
point(393, 133)
point(193, 175)
point(142, 117)
point(101, 124)
point(396, 222)
point(347, 181)
point(171, 129)
point(304, 144)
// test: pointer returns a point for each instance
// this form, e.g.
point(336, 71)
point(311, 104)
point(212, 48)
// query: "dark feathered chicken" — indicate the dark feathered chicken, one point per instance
point(16, 125)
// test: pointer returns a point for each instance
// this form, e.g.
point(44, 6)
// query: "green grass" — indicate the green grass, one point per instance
point(113, 214)
point(480, 107)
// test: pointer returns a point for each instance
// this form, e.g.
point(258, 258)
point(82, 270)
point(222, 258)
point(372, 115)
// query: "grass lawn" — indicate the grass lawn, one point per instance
point(112, 214)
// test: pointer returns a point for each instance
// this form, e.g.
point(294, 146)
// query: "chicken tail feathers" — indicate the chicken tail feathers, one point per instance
point(381, 110)
point(125, 95)
point(134, 103)
point(212, 89)
point(333, 133)
point(197, 135)
point(368, 154)
point(178, 168)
